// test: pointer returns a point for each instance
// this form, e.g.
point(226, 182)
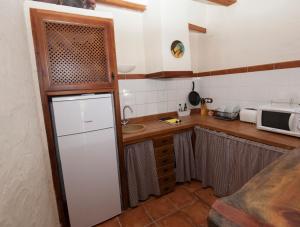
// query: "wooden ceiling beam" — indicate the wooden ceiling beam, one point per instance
point(124, 4)
point(224, 2)
point(196, 28)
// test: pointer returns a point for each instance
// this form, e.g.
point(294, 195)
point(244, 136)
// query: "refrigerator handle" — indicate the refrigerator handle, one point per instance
point(113, 76)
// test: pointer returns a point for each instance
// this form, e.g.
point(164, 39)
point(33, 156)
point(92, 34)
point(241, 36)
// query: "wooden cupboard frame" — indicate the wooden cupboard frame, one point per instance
point(47, 92)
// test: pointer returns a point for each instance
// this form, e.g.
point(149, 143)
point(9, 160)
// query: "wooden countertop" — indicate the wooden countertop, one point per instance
point(234, 128)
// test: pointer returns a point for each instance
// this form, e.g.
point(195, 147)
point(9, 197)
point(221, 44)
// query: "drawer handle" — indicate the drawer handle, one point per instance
point(88, 121)
point(164, 151)
point(165, 170)
point(164, 141)
point(165, 161)
point(166, 179)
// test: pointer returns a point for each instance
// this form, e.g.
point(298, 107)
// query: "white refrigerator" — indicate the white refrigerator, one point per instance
point(86, 143)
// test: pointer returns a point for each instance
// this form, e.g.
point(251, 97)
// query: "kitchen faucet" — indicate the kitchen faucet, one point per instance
point(124, 122)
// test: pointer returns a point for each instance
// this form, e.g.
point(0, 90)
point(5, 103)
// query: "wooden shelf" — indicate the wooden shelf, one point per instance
point(124, 4)
point(169, 74)
point(196, 28)
point(224, 2)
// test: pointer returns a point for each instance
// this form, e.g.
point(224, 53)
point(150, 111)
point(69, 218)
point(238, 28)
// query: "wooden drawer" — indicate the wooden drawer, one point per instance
point(166, 170)
point(164, 161)
point(166, 180)
point(163, 151)
point(163, 140)
point(167, 188)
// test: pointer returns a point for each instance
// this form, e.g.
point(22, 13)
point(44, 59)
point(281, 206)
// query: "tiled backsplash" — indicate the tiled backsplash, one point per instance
point(153, 96)
point(251, 89)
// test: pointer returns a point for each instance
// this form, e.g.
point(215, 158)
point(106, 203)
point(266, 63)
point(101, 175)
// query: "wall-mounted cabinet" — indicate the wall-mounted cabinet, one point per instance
point(74, 52)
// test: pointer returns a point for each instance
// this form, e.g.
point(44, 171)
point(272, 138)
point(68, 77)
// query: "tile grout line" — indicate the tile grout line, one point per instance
point(177, 209)
point(189, 204)
point(149, 216)
point(155, 221)
point(119, 222)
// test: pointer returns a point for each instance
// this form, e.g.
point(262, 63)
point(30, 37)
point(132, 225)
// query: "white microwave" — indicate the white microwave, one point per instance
point(284, 118)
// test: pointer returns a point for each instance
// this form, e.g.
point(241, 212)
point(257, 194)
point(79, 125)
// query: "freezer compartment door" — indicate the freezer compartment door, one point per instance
point(82, 115)
point(90, 173)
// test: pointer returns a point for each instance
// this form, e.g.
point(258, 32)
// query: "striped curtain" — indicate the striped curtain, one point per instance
point(212, 160)
point(226, 163)
point(184, 154)
point(141, 172)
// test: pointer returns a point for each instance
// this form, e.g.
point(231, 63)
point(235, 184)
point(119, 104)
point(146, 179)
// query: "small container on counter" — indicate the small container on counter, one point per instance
point(183, 112)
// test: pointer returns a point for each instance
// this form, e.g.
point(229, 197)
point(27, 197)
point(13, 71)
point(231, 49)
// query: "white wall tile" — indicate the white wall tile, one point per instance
point(140, 110)
point(151, 108)
point(141, 98)
point(162, 107)
point(162, 96)
point(152, 96)
point(127, 99)
point(172, 106)
point(171, 95)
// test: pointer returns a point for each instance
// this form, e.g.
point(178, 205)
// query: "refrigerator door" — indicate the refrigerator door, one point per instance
point(90, 173)
point(77, 114)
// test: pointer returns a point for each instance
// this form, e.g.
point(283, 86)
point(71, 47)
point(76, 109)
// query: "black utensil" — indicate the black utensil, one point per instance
point(194, 97)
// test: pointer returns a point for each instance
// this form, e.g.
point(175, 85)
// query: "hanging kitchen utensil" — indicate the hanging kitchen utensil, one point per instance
point(194, 97)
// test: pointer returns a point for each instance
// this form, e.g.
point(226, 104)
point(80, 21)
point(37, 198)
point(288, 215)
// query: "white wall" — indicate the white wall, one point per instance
point(153, 37)
point(144, 39)
point(129, 36)
point(251, 33)
point(26, 192)
point(174, 18)
point(197, 16)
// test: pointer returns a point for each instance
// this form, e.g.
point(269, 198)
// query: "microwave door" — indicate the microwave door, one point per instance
point(277, 120)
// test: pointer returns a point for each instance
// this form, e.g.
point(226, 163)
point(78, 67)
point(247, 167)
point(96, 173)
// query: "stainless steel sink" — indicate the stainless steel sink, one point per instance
point(133, 128)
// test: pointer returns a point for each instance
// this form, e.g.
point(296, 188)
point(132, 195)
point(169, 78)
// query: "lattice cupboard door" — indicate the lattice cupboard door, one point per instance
point(73, 52)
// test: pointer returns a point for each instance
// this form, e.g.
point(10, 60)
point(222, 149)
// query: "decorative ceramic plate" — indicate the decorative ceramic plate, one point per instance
point(177, 49)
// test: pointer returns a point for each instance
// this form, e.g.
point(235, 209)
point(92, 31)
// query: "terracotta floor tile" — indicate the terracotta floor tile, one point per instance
point(181, 197)
point(110, 223)
point(178, 219)
point(152, 225)
point(197, 212)
point(193, 186)
point(159, 207)
point(206, 195)
point(136, 217)
point(204, 225)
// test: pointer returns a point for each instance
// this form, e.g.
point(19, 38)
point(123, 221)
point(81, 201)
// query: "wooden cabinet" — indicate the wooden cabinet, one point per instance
point(164, 155)
point(74, 52)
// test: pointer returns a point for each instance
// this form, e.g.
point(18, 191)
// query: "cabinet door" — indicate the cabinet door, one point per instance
point(73, 52)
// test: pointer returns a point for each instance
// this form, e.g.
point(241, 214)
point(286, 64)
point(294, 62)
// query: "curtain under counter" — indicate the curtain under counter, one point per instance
point(141, 172)
point(184, 155)
point(226, 162)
